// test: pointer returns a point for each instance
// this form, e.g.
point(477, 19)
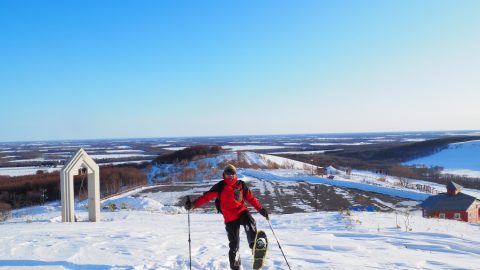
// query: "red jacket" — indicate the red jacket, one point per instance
point(232, 198)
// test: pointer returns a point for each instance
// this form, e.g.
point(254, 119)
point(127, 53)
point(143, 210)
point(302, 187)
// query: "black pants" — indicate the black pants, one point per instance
point(233, 232)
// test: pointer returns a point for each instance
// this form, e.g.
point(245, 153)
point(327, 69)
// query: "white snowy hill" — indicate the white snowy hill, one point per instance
point(147, 231)
point(157, 239)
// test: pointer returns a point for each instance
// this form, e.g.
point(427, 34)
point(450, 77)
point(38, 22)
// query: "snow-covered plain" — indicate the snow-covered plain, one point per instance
point(18, 171)
point(459, 158)
point(305, 152)
point(175, 148)
point(251, 147)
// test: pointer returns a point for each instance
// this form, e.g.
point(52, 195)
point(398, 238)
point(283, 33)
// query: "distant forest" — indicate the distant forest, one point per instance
point(28, 190)
point(405, 152)
point(188, 154)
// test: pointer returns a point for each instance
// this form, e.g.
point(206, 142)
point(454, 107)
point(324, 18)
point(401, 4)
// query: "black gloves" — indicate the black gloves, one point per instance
point(264, 213)
point(188, 204)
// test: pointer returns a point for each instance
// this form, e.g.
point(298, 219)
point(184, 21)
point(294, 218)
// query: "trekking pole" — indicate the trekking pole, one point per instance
point(189, 240)
point(279, 245)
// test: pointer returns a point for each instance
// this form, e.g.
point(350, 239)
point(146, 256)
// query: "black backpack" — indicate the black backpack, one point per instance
point(219, 188)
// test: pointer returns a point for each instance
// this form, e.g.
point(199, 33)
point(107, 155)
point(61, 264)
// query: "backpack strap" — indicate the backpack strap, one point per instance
point(244, 186)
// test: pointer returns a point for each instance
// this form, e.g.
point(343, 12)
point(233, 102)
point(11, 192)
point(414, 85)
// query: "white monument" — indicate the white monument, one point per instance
point(80, 163)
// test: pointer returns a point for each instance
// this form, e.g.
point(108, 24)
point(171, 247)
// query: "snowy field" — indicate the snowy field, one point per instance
point(18, 171)
point(251, 147)
point(157, 239)
point(459, 158)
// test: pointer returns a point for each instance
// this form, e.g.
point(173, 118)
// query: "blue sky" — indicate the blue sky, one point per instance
point(112, 69)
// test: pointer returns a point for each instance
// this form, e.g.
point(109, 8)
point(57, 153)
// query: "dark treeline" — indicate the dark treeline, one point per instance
point(28, 190)
point(188, 154)
point(404, 152)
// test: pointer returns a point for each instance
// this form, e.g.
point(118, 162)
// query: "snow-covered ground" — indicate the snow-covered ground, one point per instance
point(327, 144)
point(18, 171)
point(154, 236)
point(175, 148)
point(459, 158)
point(305, 152)
point(251, 147)
point(113, 156)
point(147, 231)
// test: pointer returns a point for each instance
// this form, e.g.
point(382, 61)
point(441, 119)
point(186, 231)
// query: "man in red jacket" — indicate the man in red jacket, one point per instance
point(232, 194)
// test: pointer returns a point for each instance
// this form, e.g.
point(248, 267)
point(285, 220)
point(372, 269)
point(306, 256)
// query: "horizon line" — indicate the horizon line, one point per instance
point(237, 135)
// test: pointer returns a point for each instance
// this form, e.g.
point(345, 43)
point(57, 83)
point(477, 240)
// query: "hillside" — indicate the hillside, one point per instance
point(147, 228)
point(155, 237)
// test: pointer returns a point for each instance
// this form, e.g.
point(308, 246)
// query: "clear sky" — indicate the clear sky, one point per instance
point(112, 69)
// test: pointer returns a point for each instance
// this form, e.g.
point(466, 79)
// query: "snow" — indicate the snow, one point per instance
point(463, 172)
point(59, 153)
point(254, 158)
point(334, 138)
point(32, 159)
point(251, 147)
point(160, 145)
point(125, 151)
point(149, 235)
point(305, 152)
point(285, 162)
point(456, 158)
point(85, 146)
point(19, 171)
point(327, 144)
point(174, 148)
point(414, 140)
point(246, 142)
point(15, 151)
point(125, 162)
point(381, 140)
point(103, 156)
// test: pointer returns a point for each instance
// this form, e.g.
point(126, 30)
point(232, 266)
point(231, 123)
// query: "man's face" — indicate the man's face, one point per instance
point(229, 175)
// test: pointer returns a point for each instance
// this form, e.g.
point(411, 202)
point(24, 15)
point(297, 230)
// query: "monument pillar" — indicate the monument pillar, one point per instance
point(80, 163)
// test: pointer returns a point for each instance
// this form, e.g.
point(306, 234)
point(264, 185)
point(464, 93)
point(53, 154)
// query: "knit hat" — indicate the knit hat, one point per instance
point(230, 169)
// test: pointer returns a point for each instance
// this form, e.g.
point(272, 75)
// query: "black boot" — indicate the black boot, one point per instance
point(235, 261)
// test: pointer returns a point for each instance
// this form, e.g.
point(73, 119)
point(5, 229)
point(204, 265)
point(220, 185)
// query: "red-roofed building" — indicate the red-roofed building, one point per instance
point(452, 205)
